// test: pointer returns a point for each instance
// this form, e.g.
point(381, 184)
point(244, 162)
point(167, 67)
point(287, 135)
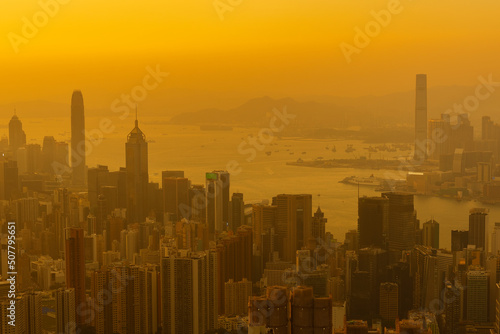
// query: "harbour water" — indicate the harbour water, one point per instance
point(196, 152)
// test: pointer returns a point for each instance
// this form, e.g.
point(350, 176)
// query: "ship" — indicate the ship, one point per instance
point(350, 149)
point(371, 181)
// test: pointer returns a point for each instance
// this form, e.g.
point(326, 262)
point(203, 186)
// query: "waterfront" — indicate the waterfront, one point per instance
point(196, 152)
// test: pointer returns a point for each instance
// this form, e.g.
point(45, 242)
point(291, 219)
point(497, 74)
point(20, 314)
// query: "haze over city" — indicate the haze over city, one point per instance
point(249, 166)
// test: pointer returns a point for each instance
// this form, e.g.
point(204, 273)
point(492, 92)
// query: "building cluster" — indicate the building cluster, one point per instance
point(103, 251)
point(454, 160)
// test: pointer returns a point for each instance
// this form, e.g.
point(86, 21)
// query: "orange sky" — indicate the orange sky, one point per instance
point(262, 47)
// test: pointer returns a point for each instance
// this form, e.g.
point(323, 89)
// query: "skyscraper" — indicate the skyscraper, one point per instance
point(402, 220)
point(421, 118)
point(189, 293)
point(176, 197)
point(293, 223)
point(389, 301)
point(318, 224)
point(217, 201)
point(136, 150)
point(17, 137)
point(477, 295)
point(78, 151)
point(478, 228)
point(237, 211)
point(9, 182)
point(65, 310)
point(75, 269)
point(373, 221)
point(431, 234)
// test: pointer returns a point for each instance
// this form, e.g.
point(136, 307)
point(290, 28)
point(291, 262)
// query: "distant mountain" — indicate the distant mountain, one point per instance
point(342, 112)
point(259, 112)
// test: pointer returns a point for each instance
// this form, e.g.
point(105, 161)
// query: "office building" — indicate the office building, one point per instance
point(136, 150)
point(78, 150)
point(402, 220)
point(478, 228)
point(373, 221)
point(189, 292)
point(17, 136)
point(293, 223)
point(421, 118)
point(75, 269)
point(430, 234)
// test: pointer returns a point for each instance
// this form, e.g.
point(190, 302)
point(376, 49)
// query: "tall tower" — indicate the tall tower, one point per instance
point(136, 151)
point(293, 222)
point(75, 269)
point(189, 292)
point(431, 234)
point(402, 219)
point(17, 137)
point(217, 199)
point(78, 138)
point(373, 221)
point(421, 119)
point(65, 310)
point(478, 228)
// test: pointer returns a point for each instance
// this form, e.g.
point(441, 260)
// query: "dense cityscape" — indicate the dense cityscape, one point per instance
point(94, 250)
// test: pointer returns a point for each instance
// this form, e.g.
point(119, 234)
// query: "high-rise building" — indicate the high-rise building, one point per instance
point(136, 150)
point(293, 222)
point(17, 137)
point(236, 297)
point(478, 228)
point(263, 219)
point(402, 219)
point(101, 301)
point(9, 181)
point(237, 212)
point(459, 240)
point(452, 308)
point(78, 150)
point(421, 118)
point(431, 234)
point(75, 269)
point(373, 221)
point(217, 201)
point(389, 301)
point(125, 291)
point(65, 310)
point(150, 298)
point(189, 292)
point(318, 224)
point(176, 199)
point(477, 295)
point(29, 159)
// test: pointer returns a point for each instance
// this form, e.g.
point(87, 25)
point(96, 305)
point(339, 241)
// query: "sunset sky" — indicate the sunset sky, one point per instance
point(262, 47)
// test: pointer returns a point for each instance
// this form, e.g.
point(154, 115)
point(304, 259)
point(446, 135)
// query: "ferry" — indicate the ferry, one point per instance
point(371, 181)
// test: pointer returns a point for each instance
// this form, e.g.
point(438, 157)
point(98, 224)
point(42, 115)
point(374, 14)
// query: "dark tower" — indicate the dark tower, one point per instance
point(136, 150)
point(78, 138)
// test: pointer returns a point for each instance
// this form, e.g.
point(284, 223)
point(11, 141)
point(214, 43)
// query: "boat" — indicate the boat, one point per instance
point(350, 149)
point(371, 181)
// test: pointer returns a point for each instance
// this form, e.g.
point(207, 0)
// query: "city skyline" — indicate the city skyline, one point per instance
point(249, 167)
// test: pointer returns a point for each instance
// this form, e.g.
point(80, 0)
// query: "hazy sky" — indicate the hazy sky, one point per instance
point(262, 47)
